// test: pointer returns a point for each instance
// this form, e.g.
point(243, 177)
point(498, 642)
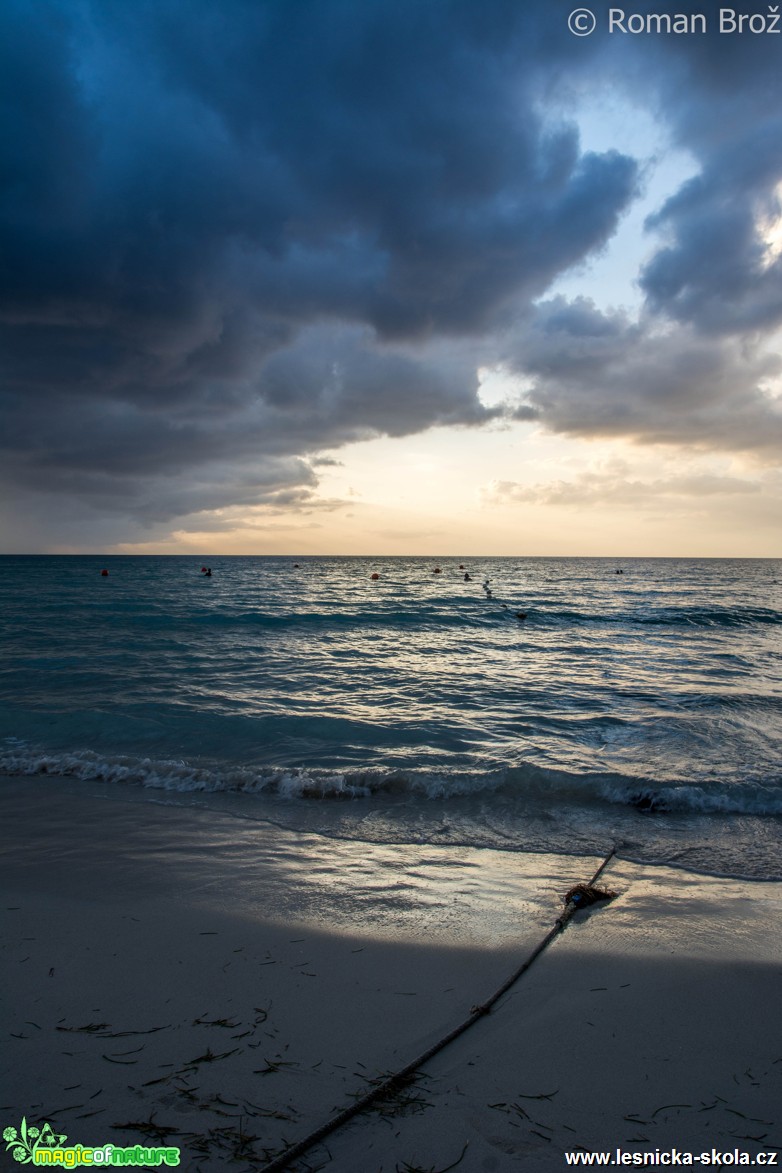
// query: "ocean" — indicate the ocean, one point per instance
point(637, 705)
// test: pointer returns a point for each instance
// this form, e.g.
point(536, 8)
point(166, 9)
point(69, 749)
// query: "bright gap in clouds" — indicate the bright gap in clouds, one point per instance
point(606, 122)
point(770, 226)
point(517, 491)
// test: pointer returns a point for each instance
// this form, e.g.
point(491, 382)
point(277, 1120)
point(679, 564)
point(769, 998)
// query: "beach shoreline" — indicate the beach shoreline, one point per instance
point(179, 977)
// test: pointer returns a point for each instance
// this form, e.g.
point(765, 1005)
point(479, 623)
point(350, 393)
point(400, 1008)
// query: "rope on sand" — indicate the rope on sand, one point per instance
point(401, 1077)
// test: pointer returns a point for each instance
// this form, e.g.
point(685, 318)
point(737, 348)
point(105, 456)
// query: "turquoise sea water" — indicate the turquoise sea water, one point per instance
point(641, 708)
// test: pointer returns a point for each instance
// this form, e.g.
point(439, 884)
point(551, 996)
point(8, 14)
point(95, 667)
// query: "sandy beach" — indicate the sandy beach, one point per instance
point(181, 977)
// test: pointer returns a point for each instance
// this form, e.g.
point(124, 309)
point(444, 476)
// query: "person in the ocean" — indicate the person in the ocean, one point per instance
point(467, 578)
point(647, 800)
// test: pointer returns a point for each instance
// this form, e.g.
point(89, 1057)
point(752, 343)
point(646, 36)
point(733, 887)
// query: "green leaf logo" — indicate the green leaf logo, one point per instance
point(24, 1141)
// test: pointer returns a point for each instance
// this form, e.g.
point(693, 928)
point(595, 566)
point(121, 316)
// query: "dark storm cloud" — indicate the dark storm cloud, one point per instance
point(721, 99)
point(719, 272)
point(191, 193)
point(160, 461)
point(601, 374)
point(235, 235)
point(339, 383)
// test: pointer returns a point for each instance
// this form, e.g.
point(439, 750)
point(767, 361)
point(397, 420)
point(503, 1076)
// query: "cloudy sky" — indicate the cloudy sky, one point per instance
point(388, 276)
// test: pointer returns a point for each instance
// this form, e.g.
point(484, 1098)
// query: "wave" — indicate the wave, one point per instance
point(317, 620)
point(452, 614)
point(715, 617)
point(665, 617)
point(530, 784)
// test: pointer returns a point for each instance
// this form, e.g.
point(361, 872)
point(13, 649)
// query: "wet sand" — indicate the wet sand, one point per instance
point(182, 977)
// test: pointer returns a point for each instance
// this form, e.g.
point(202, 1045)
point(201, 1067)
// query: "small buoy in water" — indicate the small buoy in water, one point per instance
point(437, 570)
point(521, 616)
point(104, 573)
point(203, 570)
point(374, 577)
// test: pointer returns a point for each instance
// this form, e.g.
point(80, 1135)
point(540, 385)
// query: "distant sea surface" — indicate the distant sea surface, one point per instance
point(638, 704)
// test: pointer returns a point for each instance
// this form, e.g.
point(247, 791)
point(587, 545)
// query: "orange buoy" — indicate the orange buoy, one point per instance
point(104, 573)
point(374, 577)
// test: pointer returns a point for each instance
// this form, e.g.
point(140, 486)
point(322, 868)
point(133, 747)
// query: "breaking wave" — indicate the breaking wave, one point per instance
point(530, 783)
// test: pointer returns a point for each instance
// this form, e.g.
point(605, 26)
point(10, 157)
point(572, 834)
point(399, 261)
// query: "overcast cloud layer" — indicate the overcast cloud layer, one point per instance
point(237, 235)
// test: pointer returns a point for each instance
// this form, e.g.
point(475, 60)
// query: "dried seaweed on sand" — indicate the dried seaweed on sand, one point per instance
point(585, 894)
